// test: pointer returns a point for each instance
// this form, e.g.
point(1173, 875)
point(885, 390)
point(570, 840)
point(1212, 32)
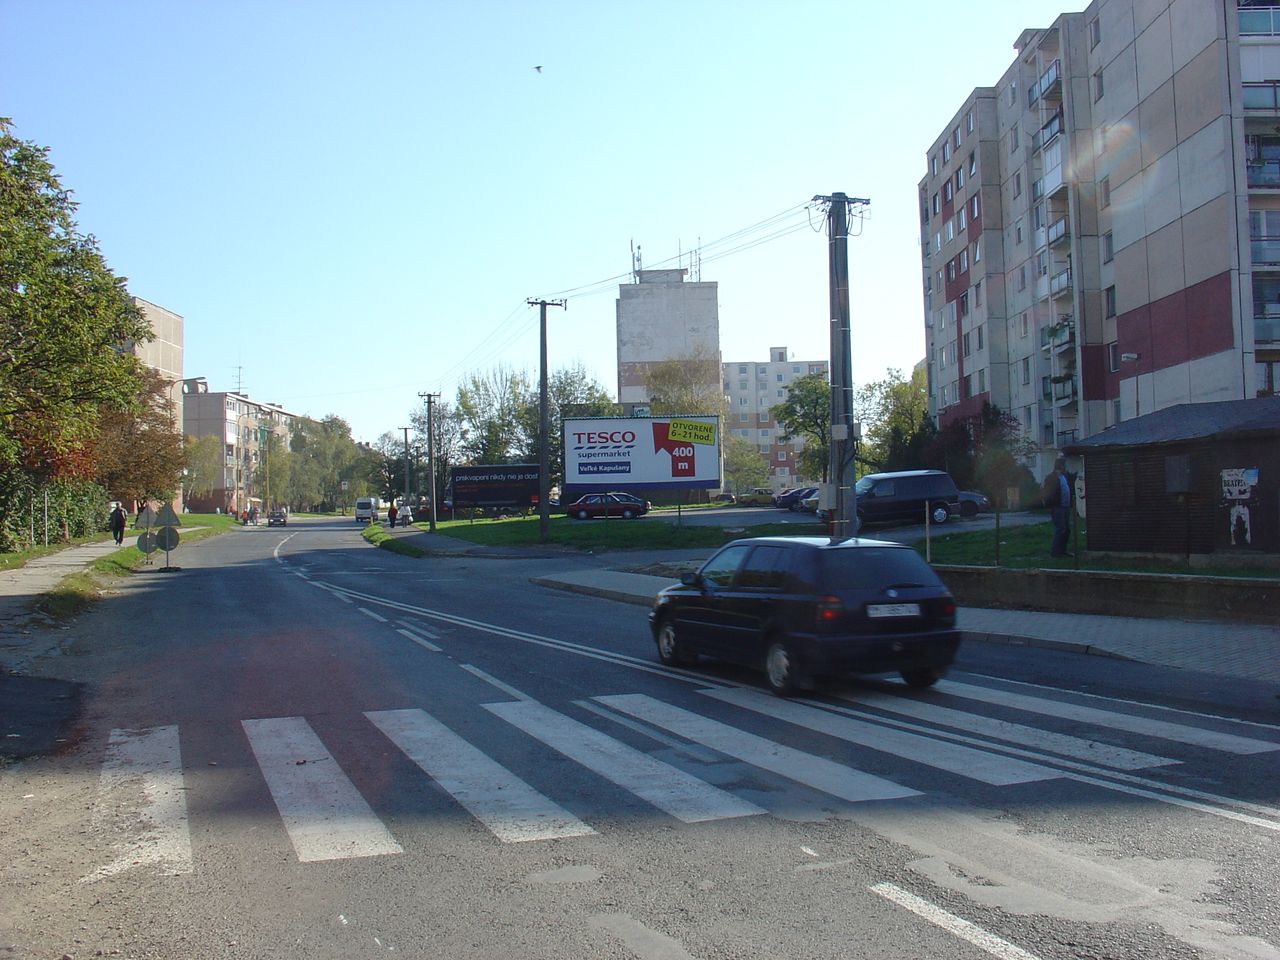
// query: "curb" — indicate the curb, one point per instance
point(623, 596)
point(1064, 646)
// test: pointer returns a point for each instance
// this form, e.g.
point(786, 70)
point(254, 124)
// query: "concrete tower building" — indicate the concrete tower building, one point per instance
point(664, 317)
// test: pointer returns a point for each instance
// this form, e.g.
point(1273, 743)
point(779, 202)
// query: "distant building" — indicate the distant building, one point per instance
point(663, 317)
point(163, 353)
point(237, 421)
point(1100, 230)
point(753, 390)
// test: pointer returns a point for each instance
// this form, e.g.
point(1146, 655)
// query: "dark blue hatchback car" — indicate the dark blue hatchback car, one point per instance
point(803, 607)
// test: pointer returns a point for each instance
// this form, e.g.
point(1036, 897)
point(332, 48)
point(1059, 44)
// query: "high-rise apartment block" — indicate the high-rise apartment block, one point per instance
point(663, 317)
point(1100, 230)
point(753, 390)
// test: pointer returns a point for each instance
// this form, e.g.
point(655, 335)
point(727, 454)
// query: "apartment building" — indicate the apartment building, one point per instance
point(660, 317)
point(753, 390)
point(1100, 230)
point(240, 424)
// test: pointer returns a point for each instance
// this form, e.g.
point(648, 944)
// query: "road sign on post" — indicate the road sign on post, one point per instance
point(166, 537)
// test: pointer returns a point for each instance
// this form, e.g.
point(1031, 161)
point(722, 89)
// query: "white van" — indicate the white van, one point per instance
point(367, 510)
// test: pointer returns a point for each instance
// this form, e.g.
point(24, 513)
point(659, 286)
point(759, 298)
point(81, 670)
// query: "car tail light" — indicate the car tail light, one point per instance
point(829, 611)
point(947, 612)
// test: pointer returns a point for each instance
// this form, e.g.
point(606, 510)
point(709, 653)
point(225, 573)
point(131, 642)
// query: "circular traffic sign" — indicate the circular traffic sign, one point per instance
point(167, 538)
point(147, 542)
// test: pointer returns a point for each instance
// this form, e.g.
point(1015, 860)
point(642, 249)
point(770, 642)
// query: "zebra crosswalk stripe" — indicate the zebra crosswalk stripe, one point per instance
point(1160, 729)
point(668, 788)
point(323, 812)
point(509, 807)
point(820, 773)
point(940, 754)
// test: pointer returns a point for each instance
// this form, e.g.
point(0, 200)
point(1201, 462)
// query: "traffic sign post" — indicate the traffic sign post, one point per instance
point(166, 536)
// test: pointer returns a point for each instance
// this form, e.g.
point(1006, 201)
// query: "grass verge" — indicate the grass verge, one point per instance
point(380, 538)
point(615, 534)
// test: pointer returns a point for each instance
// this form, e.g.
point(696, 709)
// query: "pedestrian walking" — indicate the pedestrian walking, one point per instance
point(391, 515)
point(1055, 493)
point(116, 522)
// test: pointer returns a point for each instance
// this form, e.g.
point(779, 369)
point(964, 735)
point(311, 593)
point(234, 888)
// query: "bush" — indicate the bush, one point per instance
point(76, 508)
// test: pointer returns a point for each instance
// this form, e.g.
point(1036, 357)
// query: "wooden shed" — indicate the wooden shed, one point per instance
point(1196, 478)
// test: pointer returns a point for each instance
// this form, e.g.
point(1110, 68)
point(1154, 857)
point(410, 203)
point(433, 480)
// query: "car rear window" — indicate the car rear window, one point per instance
point(860, 568)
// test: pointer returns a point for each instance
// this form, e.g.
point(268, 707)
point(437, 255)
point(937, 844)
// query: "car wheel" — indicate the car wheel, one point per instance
point(939, 513)
point(968, 509)
point(922, 677)
point(780, 668)
point(671, 649)
point(628, 514)
point(583, 515)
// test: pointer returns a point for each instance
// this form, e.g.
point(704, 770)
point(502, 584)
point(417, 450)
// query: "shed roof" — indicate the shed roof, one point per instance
point(1189, 421)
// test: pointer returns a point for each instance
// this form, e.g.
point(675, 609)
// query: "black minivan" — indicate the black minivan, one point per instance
point(803, 607)
point(884, 497)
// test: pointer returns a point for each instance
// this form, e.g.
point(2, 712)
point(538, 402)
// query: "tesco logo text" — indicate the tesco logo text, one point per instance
point(611, 436)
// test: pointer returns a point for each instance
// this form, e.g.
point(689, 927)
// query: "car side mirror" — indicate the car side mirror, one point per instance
point(691, 579)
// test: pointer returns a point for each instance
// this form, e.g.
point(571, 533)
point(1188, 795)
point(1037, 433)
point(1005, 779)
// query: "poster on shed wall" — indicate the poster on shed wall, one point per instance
point(614, 453)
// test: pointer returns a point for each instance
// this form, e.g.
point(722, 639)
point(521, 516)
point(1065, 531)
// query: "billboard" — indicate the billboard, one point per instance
point(612, 453)
point(497, 485)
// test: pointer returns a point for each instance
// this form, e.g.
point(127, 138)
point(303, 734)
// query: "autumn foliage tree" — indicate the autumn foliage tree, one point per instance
point(139, 450)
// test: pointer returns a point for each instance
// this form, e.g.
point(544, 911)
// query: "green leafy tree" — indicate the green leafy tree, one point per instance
point(488, 408)
point(896, 428)
point(66, 318)
point(745, 466)
point(571, 388)
point(806, 415)
point(323, 456)
point(204, 458)
point(446, 430)
point(687, 385)
point(138, 453)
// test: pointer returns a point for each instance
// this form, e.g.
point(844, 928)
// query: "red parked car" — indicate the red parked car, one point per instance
point(594, 505)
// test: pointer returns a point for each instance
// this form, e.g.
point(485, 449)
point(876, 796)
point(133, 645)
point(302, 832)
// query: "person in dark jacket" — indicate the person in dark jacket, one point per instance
point(1055, 493)
point(116, 523)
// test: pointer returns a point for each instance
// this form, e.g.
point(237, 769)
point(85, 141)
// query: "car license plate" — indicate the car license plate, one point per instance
point(893, 610)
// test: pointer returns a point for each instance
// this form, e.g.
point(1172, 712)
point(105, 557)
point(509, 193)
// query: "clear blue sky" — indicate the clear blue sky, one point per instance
point(352, 201)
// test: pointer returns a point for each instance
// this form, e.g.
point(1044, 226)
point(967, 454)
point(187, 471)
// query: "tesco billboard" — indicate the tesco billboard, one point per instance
point(612, 453)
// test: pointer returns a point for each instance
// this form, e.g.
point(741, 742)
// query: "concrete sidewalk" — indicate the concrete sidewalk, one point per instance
point(1249, 651)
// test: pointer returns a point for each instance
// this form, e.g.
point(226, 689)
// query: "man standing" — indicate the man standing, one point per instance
point(116, 524)
point(1055, 493)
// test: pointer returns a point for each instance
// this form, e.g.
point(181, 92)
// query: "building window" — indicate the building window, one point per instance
point(1109, 295)
point(742, 401)
point(1023, 327)
point(1095, 32)
point(779, 378)
point(1013, 140)
point(742, 384)
point(968, 122)
point(1113, 357)
point(980, 326)
point(937, 242)
point(1108, 247)
point(951, 230)
point(1026, 371)
point(982, 380)
point(1037, 216)
point(936, 205)
point(962, 307)
point(959, 177)
point(1097, 86)
point(955, 136)
point(968, 347)
point(946, 192)
point(1022, 277)
point(951, 270)
point(1042, 263)
point(742, 368)
point(973, 207)
point(1104, 190)
point(939, 279)
point(1017, 232)
point(973, 165)
point(1017, 184)
point(764, 433)
point(964, 261)
point(933, 165)
point(1013, 93)
point(977, 250)
point(742, 417)
point(960, 220)
point(1268, 377)
point(946, 151)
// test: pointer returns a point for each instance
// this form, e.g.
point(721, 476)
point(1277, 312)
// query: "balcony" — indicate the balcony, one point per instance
point(1066, 437)
point(1045, 134)
point(1064, 394)
point(1263, 174)
point(1059, 336)
point(1050, 85)
point(1060, 283)
point(1264, 251)
point(1266, 329)
point(1262, 96)
point(1058, 231)
point(1259, 22)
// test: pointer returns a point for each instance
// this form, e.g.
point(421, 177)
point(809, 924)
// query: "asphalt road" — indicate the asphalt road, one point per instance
point(301, 746)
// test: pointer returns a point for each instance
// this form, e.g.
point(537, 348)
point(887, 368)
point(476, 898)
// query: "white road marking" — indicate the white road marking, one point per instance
point(494, 681)
point(322, 810)
point(491, 793)
point(1160, 729)
point(697, 752)
point(814, 771)
point(140, 793)
point(1060, 743)
point(369, 613)
point(940, 754)
point(957, 926)
point(668, 788)
point(418, 628)
point(419, 641)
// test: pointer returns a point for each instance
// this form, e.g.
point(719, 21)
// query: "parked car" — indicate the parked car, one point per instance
point(593, 505)
point(884, 497)
point(804, 607)
point(724, 498)
point(973, 502)
point(810, 503)
point(790, 499)
point(277, 516)
point(631, 498)
point(758, 497)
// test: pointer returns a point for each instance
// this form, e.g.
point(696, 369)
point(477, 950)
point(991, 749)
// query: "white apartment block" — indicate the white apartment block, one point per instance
point(1100, 230)
point(753, 390)
point(663, 317)
point(239, 423)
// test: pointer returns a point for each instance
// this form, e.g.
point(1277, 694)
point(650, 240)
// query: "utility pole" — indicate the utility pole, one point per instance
point(431, 452)
point(544, 478)
point(840, 454)
point(406, 466)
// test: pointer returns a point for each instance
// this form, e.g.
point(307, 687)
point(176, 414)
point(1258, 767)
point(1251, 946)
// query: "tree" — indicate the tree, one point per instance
point(391, 465)
point(323, 457)
point(569, 388)
point(139, 452)
point(806, 414)
point(271, 475)
point(488, 410)
point(744, 466)
point(687, 385)
point(446, 429)
point(67, 318)
point(204, 457)
point(896, 428)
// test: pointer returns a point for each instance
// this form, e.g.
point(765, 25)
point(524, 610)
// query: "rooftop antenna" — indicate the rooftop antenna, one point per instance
point(240, 380)
point(696, 257)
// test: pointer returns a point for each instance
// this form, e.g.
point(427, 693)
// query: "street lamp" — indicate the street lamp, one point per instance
point(1137, 398)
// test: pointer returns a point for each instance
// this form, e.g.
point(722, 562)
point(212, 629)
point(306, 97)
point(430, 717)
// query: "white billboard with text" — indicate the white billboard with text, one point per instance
point(613, 453)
